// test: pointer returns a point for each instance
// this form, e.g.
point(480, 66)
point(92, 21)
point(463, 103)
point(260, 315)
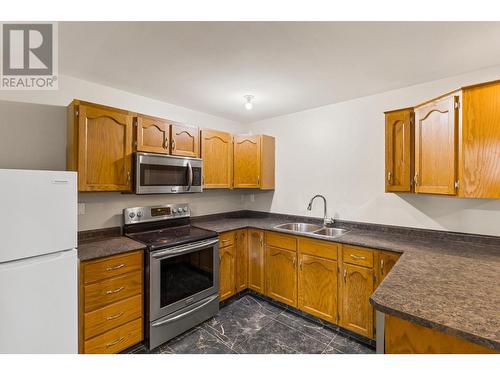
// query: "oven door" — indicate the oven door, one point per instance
point(157, 174)
point(182, 275)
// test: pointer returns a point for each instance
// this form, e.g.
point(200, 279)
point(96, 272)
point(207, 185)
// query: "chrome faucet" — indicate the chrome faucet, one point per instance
point(327, 222)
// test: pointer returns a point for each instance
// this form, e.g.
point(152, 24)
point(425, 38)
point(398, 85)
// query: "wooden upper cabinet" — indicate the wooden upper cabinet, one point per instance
point(254, 158)
point(356, 287)
point(152, 135)
point(227, 286)
point(241, 268)
point(480, 142)
point(184, 140)
point(255, 240)
point(100, 146)
point(436, 125)
point(217, 156)
point(399, 150)
point(281, 275)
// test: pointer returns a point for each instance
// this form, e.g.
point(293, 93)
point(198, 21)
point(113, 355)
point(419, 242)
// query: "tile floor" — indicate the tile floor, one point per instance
point(252, 325)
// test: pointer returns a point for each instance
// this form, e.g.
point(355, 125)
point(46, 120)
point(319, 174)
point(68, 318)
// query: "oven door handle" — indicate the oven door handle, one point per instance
point(180, 316)
point(190, 176)
point(183, 249)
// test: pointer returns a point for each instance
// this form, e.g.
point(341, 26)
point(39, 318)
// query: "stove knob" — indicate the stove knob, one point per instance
point(139, 214)
point(185, 209)
point(174, 210)
point(131, 215)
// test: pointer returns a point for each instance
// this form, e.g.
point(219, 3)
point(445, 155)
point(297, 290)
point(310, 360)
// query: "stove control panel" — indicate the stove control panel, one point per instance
point(136, 215)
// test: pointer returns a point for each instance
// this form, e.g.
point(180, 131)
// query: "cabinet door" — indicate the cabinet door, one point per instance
point(104, 149)
point(241, 276)
point(386, 261)
point(281, 275)
point(184, 140)
point(256, 260)
point(398, 150)
point(356, 288)
point(227, 286)
point(435, 146)
point(217, 156)
point(152, 135)
point(318, 287)
point(247, 161)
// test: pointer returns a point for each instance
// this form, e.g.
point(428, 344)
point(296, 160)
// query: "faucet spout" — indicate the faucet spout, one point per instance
point(326, 221)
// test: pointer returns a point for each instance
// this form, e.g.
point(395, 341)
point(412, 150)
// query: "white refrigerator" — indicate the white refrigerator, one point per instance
point(38, 262)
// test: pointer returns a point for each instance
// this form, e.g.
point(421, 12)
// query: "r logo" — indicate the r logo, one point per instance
point(27, 49)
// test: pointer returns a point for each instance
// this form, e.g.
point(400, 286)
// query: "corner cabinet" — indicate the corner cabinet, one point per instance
point(399, 166)
point(456, 145)
point(254, 159)
point(100, 146)
point(217, 156)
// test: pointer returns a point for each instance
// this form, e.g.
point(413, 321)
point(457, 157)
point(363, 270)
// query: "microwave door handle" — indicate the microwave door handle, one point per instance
point(190, 175)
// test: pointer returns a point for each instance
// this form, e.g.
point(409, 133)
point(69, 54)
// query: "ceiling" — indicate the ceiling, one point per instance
point(287, 66)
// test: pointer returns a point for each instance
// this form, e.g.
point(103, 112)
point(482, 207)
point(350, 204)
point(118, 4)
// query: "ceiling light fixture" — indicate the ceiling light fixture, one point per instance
point(248, 104)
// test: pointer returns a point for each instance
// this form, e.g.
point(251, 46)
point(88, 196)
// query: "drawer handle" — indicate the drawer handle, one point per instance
point(112, 343)
point(115, 267)
point(115, 291)
point(113, 317)
point(225, 241)
point(357, 257)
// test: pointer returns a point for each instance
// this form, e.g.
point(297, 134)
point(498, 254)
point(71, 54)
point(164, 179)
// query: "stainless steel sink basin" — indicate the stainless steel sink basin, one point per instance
point(331, 232)
point(298, 227)
point(312, 230)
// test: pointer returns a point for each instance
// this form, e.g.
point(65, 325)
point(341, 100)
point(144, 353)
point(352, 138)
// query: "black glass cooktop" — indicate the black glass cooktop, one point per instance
point(171, 236)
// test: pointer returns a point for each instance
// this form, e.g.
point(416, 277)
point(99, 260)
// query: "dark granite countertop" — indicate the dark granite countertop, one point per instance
point(103, 247)
point(446, 281)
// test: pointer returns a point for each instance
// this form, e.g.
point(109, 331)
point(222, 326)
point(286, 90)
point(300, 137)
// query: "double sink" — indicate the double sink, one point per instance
point(311, 230)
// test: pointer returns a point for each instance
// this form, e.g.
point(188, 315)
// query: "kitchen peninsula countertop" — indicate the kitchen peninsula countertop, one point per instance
point(446, 281)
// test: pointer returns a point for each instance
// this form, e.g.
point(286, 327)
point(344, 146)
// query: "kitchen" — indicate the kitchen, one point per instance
point(359, 220)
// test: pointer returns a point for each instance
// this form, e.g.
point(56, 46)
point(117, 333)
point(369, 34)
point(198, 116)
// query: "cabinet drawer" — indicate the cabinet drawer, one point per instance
point(116, 340)
point(323, 249)
point(111, 266)
point(112, 316)
point(281, 241)
point(227, 238)
point(358, 256)
point(112, 290)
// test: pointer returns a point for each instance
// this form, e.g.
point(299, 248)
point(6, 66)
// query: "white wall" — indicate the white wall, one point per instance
point(338, 151)
point(33, 136)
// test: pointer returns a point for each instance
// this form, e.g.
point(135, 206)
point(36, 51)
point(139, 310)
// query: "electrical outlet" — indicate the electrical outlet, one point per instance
point(81, 208)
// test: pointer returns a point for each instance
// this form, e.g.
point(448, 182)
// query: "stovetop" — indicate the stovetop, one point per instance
point(160, 238)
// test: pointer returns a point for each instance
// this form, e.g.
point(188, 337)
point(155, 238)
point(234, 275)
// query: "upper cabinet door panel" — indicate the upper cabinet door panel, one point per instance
point(184, 140)
point(217, 155)
point(399, 150)
point(247, 161)
point(152, 135)
point(436, 146)
point(104, 149)
point(480, 142)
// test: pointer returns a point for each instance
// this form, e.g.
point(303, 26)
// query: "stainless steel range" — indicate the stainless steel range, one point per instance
point(182, 269)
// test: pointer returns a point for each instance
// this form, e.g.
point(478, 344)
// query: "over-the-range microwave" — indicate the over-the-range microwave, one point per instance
point(160, 174)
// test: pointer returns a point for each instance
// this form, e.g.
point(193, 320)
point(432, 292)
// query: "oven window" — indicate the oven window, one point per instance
point(185, 275)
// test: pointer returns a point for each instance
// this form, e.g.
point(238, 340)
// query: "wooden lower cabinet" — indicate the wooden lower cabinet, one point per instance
point(317, 287)
point(404, 337)
point(356, 287)
point(111, 303)
point(281, 275)
point(241, 268)
point(386, 260)
point(256, 257)
point(226, 272)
